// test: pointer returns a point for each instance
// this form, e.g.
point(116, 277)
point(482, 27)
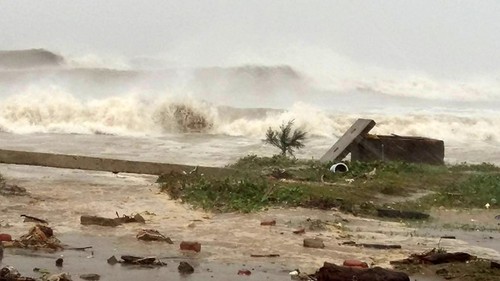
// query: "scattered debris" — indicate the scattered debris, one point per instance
point(112, 222)
point(313, 243)
point(265, 256)
point(281, 174)
point(9, 273)
point(153, 261)
point(244, 272)
point(152, 235)
point(185, 268)
point(34, 219)
point(402, 214)
point(79, 248)
point(372, 246)
point(435, 257)
point(39, 237)
point(59, 262)
point(130, 219)
point(268, 222)
point(370, 175)
point(332, 272)
point(190, 246)
point(339, 168)
point(90, 276)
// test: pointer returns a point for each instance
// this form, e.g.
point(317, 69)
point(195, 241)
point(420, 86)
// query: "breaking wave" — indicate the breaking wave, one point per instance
point(135, 115)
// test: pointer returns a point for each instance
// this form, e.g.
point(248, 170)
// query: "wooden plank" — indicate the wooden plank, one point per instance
point(353, 135)
point(102, 164)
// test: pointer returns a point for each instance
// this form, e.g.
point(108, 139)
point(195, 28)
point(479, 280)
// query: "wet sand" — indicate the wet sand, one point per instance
point(62, 196)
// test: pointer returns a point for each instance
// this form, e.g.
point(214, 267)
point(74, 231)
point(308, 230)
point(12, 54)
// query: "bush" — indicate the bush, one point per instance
point(284, 139)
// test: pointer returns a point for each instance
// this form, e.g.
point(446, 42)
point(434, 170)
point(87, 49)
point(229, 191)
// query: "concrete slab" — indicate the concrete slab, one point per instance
point(102, 164)
point(342, 147)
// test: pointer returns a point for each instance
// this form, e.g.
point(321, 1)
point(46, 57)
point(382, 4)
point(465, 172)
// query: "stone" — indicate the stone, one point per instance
point(299, 231)
point(185, 268)
point(59, 262)
point(112, 260)
point(355, 263)
point(313, 243)
point(152, 235)
point(5, 237)
point(268, 222)
point(190, 246)
point(244, 272)
point(90, 276)
point(140, 219)
point(9, 273)
point(495, 264)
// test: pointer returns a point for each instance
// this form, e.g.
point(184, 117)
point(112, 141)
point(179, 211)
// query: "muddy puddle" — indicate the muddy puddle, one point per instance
point(94, 261)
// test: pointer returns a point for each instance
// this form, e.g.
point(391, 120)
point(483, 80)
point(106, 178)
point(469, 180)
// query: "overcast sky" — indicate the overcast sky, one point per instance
point(432, 36)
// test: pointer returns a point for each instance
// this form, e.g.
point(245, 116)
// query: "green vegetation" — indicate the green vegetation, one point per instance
point(259, 182)
point(284, 139)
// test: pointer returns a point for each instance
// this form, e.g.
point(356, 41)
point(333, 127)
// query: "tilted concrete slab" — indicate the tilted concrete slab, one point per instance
point(343, 146)
point(102, 164)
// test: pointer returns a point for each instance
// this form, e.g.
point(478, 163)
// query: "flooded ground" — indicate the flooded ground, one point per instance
point(61, 196)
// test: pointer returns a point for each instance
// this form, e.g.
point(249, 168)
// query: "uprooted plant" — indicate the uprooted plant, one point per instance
point(285, 139)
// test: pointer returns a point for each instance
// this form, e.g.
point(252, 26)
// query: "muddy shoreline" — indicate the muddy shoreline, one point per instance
point(228, 240)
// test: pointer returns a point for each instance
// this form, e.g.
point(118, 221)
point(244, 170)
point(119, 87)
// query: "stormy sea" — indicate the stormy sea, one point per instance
point(144, 109)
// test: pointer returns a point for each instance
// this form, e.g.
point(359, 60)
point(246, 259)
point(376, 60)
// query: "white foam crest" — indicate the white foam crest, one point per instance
point(451, 127)
point(306, 117)
point(53, 110)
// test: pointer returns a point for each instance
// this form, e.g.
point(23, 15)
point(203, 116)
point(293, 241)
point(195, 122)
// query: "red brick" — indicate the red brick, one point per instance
point(5, 237)
point(268, 222)
point(190, 246)
point(355, 263)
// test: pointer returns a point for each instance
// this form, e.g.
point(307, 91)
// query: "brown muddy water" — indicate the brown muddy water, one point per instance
point(61, 196)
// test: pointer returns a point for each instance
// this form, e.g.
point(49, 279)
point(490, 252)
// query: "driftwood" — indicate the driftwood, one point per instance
point(33, 219)
point(372, 246)
point(388, 213)
point(332, 272)
point(112, 222)
point(141, 261)
point(78, 248)
point(435, 257)
point(264, 256)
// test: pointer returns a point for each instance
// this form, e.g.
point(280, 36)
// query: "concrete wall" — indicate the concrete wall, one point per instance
point(101, 164)
point(398, 148)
